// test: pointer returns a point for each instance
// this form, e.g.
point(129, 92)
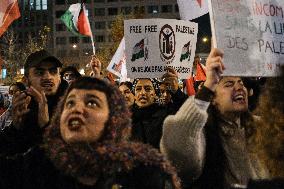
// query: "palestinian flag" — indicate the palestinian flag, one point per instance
point(185, 53)
point(9, 11)
point(138, 51)
point(76, 20)
point(200, 72)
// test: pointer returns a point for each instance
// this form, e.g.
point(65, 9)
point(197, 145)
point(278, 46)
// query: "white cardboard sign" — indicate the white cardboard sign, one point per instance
point(251, 33)
point(117, 63)
point(152, 45)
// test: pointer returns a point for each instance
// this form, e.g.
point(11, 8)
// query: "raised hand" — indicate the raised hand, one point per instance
point(43, 116)
point(214, 68)
point(171, 79)
point(20, 104)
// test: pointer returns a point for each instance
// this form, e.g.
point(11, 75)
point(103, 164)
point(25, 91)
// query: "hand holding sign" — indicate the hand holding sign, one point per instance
point(251, 35)
point(171, 79)
point(214, 68)
point(154, 45)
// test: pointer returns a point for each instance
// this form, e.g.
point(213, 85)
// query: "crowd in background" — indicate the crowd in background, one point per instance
point(63, 130)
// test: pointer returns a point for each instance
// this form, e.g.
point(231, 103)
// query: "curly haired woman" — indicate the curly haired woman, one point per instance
point(86, 146)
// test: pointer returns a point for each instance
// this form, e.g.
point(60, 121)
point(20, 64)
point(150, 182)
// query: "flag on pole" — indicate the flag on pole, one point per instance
point(194, 80)
point(200, 72)
point(76, 20)
point(190, 91)
point(9, 11)
point(117, 65)
point(191, 9)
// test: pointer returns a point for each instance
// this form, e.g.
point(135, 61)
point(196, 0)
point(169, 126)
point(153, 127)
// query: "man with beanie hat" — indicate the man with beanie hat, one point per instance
point(32, 109)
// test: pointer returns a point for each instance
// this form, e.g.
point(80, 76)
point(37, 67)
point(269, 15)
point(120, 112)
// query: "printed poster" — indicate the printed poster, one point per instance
point(153, 45)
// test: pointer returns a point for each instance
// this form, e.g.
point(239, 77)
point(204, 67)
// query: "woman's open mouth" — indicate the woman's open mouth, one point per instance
point(75, 124)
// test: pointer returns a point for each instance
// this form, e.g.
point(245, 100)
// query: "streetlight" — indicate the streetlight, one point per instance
point(74, 46)
point(204, 39)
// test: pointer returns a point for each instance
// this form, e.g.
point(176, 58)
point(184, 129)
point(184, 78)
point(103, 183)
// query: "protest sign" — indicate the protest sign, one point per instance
point(251, 33)
point(190, 10)
point(152, 45)
point(117, 64)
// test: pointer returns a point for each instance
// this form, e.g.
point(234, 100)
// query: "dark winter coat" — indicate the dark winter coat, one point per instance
point(14, 140)
point(35, 170)
point(148, 122)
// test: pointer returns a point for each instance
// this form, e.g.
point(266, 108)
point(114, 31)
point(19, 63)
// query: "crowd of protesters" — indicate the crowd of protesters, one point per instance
point(72, 131)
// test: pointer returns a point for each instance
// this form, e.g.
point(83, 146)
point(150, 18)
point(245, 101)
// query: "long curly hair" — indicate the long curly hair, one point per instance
point(112, 152)
point(270, 147)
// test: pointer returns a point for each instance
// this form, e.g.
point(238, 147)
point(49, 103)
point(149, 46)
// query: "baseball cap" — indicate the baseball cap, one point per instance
point(37, 57)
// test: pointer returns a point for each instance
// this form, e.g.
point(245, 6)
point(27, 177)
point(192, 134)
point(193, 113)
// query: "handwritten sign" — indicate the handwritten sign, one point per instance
point(153, 45)
point(251, 33)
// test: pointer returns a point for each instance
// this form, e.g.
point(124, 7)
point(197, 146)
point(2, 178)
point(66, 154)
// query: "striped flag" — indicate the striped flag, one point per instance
point(185, 53)
point(190, 91)
point(9, 11)
point(195, 79)
point(191, 9)
point(76, 20)
point(200, 72)
point(138, 50)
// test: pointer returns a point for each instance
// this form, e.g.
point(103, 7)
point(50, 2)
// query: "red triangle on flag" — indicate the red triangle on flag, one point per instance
point(190, 86)
point(83, 24)
point(12, 12)
point(199, 2)
point(200, 73)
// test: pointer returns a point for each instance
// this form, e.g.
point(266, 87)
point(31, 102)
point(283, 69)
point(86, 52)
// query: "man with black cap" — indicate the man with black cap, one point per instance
point(32, 109)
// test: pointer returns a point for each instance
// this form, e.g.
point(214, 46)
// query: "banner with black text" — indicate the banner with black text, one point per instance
point(153, 45)
point(251, 33)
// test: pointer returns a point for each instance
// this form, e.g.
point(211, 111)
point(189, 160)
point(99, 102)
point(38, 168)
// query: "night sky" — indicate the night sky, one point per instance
point(203, 30)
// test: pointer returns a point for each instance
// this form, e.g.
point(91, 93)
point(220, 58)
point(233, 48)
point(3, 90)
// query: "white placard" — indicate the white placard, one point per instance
point(191, 9)
point(251, 33)
point(117, 63)
point(152, 45)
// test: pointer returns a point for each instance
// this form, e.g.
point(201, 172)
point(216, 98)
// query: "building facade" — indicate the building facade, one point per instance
point(36, 18)
point(102, 13)
point(71, 49)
